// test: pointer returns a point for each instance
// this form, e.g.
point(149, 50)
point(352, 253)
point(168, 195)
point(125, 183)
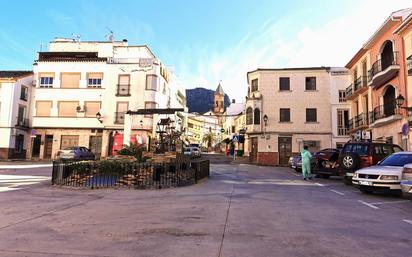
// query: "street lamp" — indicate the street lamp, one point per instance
point(265, 119)
point(399, 101)
point(99, 117)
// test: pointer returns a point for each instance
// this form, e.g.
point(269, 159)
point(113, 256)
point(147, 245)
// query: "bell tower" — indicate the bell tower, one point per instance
point(219, 100)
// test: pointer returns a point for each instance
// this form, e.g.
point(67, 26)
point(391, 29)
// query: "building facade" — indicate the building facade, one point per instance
point(15, 97)
point(84, 89)
point(289, 108)
point(194, 130)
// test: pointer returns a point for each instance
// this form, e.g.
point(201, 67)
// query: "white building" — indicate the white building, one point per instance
point(15, 94)
point(83, 90)
point(229, 122)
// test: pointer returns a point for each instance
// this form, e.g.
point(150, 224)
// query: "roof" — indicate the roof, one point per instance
point(15, 73)
point(356, 58)
point(327, 69)
point(69, 56)
point(219, 90)
point(404, 25)
point(235, 108)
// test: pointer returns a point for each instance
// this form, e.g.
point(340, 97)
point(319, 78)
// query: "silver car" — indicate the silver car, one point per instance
point(76, 153)
point(406, 182)
point(193, 152)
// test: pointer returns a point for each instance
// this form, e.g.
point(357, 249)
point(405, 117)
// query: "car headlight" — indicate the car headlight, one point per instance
point(389, 177)
point(355, 175)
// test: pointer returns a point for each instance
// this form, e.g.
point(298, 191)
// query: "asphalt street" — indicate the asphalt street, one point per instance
point(242, 210)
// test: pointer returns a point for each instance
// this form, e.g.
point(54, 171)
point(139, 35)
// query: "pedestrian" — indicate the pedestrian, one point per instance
point(306, 156)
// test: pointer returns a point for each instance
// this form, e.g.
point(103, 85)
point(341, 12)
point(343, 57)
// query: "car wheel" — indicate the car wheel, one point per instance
point(298, 170)
point(366, 190)
point(349, 161)
point(325, 176)
point(347, 180)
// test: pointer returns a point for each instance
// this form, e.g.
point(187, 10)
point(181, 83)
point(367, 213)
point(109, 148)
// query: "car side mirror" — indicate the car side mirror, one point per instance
point(379, 162)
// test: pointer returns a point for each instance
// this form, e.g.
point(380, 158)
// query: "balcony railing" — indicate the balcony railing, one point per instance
point(22, 122)
point(343, 131)
point(409, 65)
point(358, 121)
point(382, 64)
point(123, 90)
point(349, 91)
point(359, 84)
point(385, 111)
point(119, 117)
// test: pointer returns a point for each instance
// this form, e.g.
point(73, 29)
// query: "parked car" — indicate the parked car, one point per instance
point(193, 152)
point(295, 162)
point(406, 182)
point(76, 153)
point(357, 155)
point(386, 175)
point(326, 162)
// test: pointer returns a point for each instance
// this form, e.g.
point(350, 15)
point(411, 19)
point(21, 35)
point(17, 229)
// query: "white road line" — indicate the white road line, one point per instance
point(297, 175)
point(369, 205)
point(335, 191)
point(319, 184)
point(408, 221)
point(401, 201)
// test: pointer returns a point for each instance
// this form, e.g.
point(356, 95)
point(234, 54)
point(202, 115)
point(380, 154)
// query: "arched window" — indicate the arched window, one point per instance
point(389, 101)
point(387, 56)
point(217, 103)
point(256, 116)
point(249, 116)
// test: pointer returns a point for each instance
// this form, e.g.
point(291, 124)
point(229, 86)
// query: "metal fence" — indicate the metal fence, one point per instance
point(110, 173)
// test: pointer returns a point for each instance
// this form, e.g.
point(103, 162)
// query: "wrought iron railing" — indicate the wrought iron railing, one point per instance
point(409, 65)
point(349, 91)
point(387, 110)
point(119, 117)
point(22, 122)
point(382, 64)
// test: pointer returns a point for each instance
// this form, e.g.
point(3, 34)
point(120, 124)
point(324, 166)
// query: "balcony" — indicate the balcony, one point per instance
point(358, 87)
point(123, 90)
point(119, 117)
point(343, 131)
point(22, 123)
point(360, 121)
point(383, 70)
point(385, 114)
point(409, 65)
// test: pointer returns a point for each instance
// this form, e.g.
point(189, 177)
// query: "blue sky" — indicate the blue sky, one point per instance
point(204, 41)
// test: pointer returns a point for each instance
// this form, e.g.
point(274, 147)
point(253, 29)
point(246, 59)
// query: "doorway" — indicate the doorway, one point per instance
point(285, 150)
point(48, 147)
point(95, 145)
point(35, 153)
point(254, 149)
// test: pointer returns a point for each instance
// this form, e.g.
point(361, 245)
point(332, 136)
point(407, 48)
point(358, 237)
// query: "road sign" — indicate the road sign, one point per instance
point(222, 130)
point(235, 139)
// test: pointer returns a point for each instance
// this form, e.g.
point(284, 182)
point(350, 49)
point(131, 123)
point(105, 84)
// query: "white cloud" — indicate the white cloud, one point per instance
point(332, 43)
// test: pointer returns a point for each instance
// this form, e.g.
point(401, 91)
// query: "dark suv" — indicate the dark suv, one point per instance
point(357, 155)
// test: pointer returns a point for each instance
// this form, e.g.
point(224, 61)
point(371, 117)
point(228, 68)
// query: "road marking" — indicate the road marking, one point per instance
point(408, 221)
point(335, 191)
point(319, 184)
point(369, 205)
point(297, 175)
point(401, 201)
point(13, 182)
point(24, 166)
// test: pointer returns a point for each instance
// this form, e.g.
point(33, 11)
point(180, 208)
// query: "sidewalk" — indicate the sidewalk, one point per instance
point(24, 164)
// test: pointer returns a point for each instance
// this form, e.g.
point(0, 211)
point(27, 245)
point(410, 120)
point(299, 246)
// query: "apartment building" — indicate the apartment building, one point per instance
point(15, 97)
point(83, 90)
point(194, 130)
point(378, 75)
point(292, 107)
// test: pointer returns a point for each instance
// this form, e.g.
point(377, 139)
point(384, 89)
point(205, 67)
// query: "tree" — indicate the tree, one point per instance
point(209, 138)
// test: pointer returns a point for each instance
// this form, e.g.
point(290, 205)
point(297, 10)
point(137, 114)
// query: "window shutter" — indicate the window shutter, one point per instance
point(68, 109)
point(92, 108)
point(124, 79)
point(43, 108)
point(70, 80)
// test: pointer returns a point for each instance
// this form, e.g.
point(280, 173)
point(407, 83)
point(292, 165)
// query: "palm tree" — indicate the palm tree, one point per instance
point(209, 138)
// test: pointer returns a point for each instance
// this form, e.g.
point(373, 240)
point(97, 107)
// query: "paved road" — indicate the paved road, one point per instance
point(242, 210)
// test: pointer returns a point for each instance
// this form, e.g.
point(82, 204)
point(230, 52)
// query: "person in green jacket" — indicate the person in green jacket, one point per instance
point(306, 156)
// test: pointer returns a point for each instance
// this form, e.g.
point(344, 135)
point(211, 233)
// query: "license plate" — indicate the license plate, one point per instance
point(365, 183)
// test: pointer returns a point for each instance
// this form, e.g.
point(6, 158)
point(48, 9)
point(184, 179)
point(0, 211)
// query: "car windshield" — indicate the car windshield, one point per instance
point(361, 149)
point(397, 160)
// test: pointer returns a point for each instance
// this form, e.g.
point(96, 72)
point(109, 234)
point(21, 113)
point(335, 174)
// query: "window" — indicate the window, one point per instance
point(69, 141)
point(67, 109)
point(342, 96)
point(343, 122)
point(284, 84)
point(43, 108)
point(92, 108)
point(123, 88)
point(284, 114)
point(24, 93)
point(310, 83)
point(189, 125)
point(255, 85)
point(314, 146)
point(94, 80)
point(151, 82)
point(311, 115)
point(69, 80)
point(46, 80)
point(249, 116)
point(121, 109)
point(21, 116)
point(233, 129)
point(256, 116)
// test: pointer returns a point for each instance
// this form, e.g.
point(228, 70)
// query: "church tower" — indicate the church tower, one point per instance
point(219, 100)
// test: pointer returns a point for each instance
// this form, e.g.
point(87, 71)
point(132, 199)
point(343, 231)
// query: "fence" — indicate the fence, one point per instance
point(108, 174)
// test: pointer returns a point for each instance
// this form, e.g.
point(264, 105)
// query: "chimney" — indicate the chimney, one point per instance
point(233, 101)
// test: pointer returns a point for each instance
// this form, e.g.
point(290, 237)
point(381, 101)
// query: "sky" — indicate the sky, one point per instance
point(204, 42)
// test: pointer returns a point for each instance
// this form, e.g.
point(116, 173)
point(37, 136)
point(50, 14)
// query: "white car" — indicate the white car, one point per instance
point(406, 182)
point(386, 175)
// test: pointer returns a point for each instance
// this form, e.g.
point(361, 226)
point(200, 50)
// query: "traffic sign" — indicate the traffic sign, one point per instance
point(222, 130)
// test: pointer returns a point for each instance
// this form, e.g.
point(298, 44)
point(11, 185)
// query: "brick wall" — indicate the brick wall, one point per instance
point(268, 158)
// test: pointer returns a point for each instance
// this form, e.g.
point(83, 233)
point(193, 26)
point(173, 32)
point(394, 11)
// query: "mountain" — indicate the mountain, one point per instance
point(202, 100)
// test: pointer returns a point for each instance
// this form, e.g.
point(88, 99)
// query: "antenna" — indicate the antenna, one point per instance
point(76, 37)
point(110, 36)
point(41, 47)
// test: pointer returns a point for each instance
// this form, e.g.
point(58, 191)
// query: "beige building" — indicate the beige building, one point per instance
point(15, 96)
point(194, 130)
point(292, 107)
point(83, 90)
